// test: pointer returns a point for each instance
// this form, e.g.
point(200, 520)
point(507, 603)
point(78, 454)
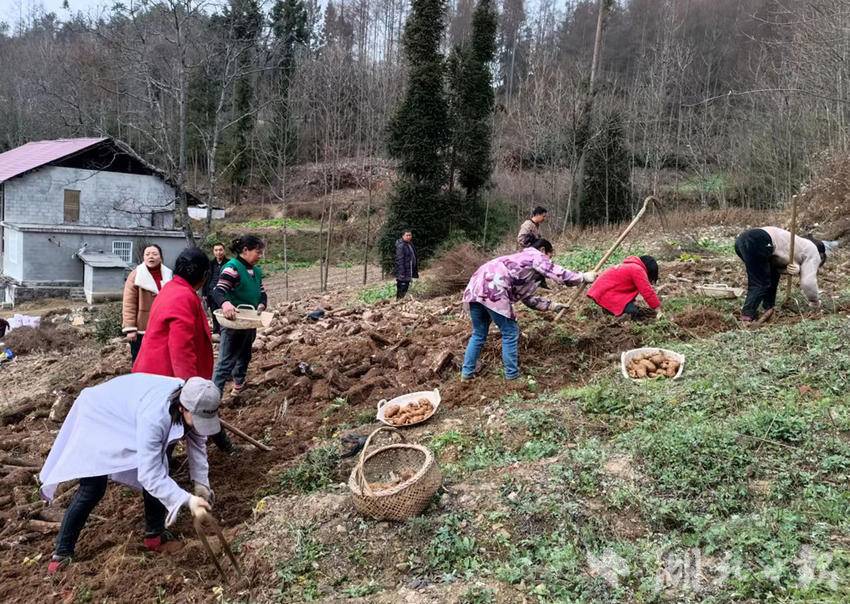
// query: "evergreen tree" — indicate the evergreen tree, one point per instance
point(607, 177)
point(246, 20)
point(418, 137)
point(290, 26)
point(476, 99)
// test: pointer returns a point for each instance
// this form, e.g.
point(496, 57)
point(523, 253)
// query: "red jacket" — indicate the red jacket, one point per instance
point(619, 285)
point(177, 341)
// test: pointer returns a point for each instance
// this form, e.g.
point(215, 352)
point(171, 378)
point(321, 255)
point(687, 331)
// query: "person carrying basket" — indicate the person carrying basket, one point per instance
point(240, 283)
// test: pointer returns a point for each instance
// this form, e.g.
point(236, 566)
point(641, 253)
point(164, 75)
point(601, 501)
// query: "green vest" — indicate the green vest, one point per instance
point(248, 290)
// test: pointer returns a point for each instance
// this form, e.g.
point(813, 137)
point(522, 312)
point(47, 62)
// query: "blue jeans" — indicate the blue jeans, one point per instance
point(234, 354)
point(481, 319)
point(88, 495)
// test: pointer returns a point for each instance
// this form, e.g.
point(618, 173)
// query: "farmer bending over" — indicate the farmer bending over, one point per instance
point(618, 287)
point(766, 253)
point(120, 430)
point(496, 286)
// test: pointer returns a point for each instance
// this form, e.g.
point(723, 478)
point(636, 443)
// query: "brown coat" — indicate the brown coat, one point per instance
point(529, 232)
point(139, 291)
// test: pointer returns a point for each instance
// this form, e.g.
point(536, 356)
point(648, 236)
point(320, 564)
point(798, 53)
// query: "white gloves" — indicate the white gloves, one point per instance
point(792, 269)
point(815, 305)
point(659, 315)
point(588, 277)
point(261, 308)
point(198, 506)
point(558, 307)
point(204, 492)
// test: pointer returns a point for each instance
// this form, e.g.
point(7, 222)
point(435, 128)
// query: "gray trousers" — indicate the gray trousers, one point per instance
point(234, 354)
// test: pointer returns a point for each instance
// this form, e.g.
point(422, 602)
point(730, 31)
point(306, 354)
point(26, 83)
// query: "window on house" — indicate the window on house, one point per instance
point(72, 206)
point(124, 250)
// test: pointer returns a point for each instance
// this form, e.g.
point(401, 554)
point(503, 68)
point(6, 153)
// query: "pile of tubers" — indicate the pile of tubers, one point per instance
point(655, 365)
point(393, 480)
point(411, 413)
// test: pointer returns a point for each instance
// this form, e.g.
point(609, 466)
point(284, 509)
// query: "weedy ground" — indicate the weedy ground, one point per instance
point(729, 485)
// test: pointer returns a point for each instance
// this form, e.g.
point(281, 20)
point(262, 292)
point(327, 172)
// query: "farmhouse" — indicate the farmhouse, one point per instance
point(75, 215)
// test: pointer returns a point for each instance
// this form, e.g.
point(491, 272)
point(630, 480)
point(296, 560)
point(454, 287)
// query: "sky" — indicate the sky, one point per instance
point(12, 10)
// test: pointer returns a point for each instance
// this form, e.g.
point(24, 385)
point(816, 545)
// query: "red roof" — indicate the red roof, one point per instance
point(39, 153)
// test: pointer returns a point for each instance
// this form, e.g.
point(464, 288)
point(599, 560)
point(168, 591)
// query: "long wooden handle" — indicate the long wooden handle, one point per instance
point(200, 522)
point(793, 241)
point(244, 436)
point(607, 255)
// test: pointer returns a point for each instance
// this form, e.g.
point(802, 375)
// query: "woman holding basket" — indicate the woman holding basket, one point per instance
point(240, 283)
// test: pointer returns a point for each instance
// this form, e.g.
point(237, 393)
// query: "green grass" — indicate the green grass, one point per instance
point(314, 472)
point(279, 223)
point(585, 259)
point(297, 576)
point(376, 293)
point(735, 485)
point(710, 185)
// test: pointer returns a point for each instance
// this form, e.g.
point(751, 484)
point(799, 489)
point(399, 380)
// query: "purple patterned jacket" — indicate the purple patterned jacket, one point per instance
point(514, 278)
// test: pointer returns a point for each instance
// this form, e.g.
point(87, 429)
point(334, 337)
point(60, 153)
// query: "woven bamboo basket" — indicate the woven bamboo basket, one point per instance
point(401, 501)
point(719, 290)
point(247, 317)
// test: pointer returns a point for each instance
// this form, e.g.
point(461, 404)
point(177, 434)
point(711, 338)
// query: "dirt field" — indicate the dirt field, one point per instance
point(310, 384)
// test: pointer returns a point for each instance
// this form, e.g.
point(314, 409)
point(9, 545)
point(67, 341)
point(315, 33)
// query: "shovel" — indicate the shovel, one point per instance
point(611, 250)
point(204, 520)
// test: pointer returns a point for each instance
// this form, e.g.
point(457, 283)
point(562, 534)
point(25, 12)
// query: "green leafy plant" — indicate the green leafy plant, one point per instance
point(453, 551)
point(316, 471)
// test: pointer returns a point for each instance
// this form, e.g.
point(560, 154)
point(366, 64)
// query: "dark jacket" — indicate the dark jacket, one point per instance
point(215, 273)
point(406, 265)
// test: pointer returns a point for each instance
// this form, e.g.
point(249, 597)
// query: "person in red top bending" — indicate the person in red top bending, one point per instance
point(617, 288)
point(177, 342)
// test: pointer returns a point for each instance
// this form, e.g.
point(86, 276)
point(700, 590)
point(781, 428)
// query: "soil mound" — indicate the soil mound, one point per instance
point(47, 337)
point(454, 269)
point(703, 321)
point(823, 206)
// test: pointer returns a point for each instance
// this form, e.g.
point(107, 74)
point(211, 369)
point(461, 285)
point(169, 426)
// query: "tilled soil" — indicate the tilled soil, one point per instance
point(308, 380)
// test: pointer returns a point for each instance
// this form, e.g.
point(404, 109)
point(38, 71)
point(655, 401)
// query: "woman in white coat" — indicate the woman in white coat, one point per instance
point(120, 430)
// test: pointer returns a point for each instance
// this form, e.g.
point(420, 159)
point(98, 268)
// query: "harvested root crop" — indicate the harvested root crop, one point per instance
point(393, 480)
point(655, 365)
point(411, 413)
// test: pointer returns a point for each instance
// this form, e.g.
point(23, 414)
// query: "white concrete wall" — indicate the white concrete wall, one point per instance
point(107, 199)
point(13, 256)
point(50, 258)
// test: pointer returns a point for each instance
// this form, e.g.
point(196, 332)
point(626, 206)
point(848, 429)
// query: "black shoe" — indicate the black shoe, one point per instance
point(222, 441)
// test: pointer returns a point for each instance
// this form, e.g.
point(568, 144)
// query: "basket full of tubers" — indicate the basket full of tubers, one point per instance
point(647, 363)
point(394, 482)
point(409, 409)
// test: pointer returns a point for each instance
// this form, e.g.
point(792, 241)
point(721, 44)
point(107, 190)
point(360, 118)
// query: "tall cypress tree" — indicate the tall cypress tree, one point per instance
point(246, 23)
point(418, 137)
point(289, 22)
point(476, 102)
point(607, 177)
